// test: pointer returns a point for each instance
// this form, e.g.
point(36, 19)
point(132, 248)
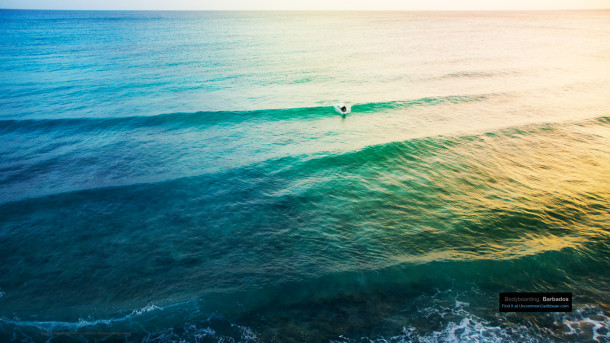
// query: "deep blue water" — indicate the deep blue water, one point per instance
point(184, 176)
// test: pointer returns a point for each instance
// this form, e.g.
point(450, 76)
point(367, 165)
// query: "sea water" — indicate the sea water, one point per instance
point(184, 176)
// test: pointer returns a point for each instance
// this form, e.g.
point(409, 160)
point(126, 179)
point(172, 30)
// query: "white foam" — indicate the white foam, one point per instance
point(148, 308)
point(194, 333)
point(247, 335)
point(50, 326)
point(460, 303)
point(578, 322)
point(583, 324)
point(191, 333)
point(458, 325)
point(199, 332)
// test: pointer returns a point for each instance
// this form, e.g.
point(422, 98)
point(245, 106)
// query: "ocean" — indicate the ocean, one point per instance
point(184, 176)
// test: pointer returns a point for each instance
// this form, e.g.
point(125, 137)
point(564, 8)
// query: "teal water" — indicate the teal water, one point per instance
point(183, 176)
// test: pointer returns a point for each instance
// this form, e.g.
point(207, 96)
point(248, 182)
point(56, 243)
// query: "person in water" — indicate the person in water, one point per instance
point(343, 108)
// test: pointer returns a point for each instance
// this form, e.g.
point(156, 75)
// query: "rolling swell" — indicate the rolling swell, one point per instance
point(408, 154)
point(203, 118)
point(380, 226)
point(473, 184)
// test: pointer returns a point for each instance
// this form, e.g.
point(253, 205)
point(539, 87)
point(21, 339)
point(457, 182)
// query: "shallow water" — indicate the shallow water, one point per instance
point(170, 176)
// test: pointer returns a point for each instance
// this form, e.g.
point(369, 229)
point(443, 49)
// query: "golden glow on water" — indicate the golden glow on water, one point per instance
point(518, 192)
point(514, 250)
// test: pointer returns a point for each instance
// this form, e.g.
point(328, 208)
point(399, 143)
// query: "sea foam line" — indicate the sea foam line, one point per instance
point(199, 118)
point(50, 326)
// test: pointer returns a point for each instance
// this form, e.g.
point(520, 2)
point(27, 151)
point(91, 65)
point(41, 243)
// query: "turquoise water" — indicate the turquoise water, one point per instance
point(183, 176)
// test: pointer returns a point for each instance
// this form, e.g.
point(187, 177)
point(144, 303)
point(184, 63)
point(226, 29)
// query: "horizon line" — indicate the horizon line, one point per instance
point(310, 10)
